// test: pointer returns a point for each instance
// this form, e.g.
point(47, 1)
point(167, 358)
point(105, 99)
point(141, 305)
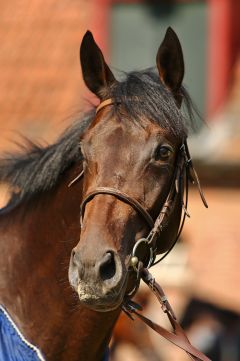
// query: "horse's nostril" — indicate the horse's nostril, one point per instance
point(107, 268)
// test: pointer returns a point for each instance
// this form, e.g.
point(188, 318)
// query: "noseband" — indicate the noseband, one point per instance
point(145, 249)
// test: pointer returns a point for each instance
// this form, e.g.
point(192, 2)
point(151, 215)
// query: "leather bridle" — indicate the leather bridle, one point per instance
point(145, 249)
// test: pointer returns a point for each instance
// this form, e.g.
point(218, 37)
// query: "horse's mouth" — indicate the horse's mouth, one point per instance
point(98, 300)
point(101, 306)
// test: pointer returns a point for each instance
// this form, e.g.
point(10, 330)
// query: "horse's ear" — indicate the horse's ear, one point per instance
point(170, 61)
point(96, 72)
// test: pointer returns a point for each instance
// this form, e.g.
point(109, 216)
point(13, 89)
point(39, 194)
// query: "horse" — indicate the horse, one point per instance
point(64, 275)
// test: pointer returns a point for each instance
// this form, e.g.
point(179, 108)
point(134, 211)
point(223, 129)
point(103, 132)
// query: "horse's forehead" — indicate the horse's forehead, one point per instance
point(123, 129)
point(114, 131)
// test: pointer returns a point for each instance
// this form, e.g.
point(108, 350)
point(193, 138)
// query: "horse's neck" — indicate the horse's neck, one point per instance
point(36, 243)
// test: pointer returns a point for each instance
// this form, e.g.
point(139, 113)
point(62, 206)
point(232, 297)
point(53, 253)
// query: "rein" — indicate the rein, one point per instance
point(145, 249)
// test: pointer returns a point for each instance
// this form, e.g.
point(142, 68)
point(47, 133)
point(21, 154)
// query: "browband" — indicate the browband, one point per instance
point(104, 104)
point(111, 101)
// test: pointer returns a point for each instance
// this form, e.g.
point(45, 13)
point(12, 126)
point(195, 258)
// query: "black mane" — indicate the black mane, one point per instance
point(143, 95)
point(38, 169)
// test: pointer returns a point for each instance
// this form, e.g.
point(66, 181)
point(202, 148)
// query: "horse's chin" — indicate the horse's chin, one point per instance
point(102, 307)
point(101, 304)
point(94, 299)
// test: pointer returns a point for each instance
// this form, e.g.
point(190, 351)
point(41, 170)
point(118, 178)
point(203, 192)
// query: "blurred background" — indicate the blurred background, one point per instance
point(41, 89)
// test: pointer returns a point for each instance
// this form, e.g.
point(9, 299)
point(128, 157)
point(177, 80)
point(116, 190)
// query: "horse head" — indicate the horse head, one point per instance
point(131, 151)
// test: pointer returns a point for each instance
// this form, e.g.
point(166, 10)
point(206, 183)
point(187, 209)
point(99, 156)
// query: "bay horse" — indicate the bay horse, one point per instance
point(128, 151)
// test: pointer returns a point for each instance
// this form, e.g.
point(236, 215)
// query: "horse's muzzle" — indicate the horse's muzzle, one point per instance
point(100, 282)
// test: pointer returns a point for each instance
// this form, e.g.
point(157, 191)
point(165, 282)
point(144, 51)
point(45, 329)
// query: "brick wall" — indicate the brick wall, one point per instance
point(213, 239)
point(39, 65)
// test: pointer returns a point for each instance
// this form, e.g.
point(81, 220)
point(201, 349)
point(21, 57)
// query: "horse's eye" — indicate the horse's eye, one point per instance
point(163, 152)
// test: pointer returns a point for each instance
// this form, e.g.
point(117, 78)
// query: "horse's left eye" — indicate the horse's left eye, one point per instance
point(163, 152)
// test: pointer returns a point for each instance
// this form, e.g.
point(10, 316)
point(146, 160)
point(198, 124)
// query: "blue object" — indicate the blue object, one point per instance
point(106, 355)
point(13, 345)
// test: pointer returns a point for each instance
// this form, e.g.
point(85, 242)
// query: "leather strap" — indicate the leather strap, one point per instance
point(123, 197)
point(112, 101)
point(168, 205)
point(105, 103)
point(178, 336)
point(194, 176)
